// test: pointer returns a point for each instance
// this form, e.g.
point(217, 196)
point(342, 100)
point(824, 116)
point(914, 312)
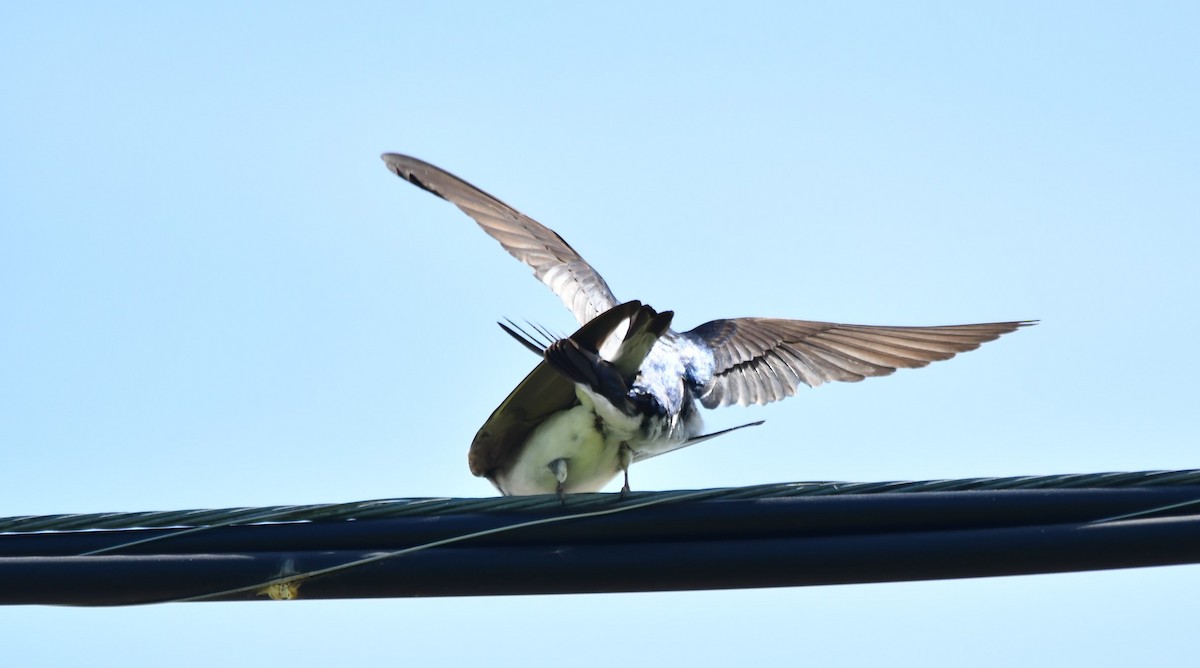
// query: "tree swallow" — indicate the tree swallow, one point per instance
point(624, 386)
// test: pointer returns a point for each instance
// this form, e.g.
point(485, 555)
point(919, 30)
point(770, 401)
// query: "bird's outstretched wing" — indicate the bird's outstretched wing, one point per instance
point(553, 260)
point(760, 360)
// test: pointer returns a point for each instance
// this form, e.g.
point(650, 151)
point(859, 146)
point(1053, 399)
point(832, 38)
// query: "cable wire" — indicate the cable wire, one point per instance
point(786, 534)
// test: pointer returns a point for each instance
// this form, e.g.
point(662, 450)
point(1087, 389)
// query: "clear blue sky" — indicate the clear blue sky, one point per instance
point(213, 294)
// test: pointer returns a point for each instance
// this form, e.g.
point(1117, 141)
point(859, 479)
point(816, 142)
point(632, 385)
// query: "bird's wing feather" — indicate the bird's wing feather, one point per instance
point(541, 394)
point(760, 360)
point(553, 260)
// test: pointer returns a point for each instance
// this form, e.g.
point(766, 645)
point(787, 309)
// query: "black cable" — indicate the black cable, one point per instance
point(653, 541)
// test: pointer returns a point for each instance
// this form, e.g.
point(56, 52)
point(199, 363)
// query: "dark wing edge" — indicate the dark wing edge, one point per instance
point(541, 394)
point(552, 259)
point(535, 343)
point(760, 360)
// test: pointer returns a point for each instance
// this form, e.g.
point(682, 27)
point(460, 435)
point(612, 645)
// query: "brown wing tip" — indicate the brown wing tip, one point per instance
point(1002, 328)
point(479, 458)
point(405, 167)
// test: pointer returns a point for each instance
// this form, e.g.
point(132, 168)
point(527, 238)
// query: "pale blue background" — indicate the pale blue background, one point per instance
point(213, 294)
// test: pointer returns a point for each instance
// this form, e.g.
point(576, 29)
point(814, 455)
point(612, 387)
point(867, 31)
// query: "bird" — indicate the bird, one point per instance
point(624, 386)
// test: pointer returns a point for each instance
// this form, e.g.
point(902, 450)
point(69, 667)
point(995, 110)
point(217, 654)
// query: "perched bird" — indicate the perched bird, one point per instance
point(624, 386)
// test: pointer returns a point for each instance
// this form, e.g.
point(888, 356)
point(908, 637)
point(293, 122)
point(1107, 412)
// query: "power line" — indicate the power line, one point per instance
point(769, 535)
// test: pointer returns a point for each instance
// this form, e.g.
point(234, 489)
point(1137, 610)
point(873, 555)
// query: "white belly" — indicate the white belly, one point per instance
point(592, 455)
point(592, 460)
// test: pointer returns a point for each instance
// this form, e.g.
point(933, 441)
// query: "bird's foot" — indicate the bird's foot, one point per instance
point(559, 468)
point(625, 456)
